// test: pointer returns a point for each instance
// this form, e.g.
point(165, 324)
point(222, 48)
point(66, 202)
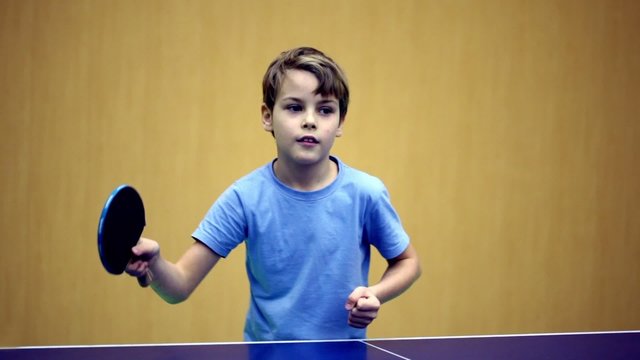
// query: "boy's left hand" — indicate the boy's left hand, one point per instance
point(363, 306)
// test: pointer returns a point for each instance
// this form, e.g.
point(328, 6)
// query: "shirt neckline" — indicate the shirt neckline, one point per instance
point(309, 195)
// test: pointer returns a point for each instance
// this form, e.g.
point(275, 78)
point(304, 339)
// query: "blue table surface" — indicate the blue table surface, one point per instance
point(604, 345)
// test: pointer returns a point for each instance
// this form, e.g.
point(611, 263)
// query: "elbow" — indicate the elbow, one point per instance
point(174, 298)
point(173, 301)
point(417, 271)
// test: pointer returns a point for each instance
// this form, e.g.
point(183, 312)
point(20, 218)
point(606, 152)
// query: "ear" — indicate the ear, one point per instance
point(340, 127)
point(267, 118)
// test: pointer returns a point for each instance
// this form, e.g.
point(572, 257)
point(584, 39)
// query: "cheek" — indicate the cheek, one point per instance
point(330, 136)
point(283, 133)
point(335, 130)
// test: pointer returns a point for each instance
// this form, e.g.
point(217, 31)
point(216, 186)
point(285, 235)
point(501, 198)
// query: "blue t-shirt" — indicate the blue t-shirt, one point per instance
point(305, 251)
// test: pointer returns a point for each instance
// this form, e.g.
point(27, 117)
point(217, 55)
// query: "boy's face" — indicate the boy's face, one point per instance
point(304, 124)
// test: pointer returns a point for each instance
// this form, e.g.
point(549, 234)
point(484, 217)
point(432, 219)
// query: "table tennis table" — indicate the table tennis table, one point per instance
point(592, 345)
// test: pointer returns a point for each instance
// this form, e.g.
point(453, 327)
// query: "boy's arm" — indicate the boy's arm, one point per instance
point(401, 273)
point(173, 282)
point(363, 303)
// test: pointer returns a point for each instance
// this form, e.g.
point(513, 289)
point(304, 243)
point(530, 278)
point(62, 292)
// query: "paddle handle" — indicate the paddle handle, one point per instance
point(144, 281)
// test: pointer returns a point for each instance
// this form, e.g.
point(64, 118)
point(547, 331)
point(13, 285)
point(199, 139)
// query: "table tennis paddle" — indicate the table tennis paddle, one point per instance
point(121, 224)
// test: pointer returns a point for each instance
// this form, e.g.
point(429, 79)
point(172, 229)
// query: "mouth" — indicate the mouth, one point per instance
point(308, 140)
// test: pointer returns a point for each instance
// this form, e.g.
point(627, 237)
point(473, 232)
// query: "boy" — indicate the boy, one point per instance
point(306, 218)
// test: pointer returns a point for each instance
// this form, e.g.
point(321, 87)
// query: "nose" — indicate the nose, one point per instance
point(309, 121)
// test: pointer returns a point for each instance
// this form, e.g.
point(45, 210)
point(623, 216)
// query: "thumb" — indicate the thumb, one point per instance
point(355, 295)
point(145, 248)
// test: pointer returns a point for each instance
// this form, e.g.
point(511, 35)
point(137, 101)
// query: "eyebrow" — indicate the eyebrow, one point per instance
point(322, 101)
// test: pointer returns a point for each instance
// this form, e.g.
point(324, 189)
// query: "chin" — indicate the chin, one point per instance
point(307, 159)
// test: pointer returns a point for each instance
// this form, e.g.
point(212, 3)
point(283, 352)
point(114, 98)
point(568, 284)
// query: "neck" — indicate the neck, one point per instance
point(306, 177)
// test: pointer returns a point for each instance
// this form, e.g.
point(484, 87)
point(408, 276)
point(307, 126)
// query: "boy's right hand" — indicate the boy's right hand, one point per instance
point(146, 253)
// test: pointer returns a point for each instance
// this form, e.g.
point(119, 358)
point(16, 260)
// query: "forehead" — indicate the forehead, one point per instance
point(300, 83)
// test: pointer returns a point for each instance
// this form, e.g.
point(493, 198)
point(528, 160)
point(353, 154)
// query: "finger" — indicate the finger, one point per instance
point(352, 299)
point(141, 248)
point(368, 304)
point(134, 271)
point(363, 317)
point(358, 326)
point(359, 323)
point(365, 311)
point(132, 267)
point(145, 248)
point(358, 314)
point(137, 267)
point(140, 269)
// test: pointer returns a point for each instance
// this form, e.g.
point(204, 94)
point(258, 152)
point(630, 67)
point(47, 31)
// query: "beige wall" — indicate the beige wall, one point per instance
point(507, 132)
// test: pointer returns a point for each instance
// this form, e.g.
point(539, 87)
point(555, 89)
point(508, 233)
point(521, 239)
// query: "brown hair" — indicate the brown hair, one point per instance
point(331, 78)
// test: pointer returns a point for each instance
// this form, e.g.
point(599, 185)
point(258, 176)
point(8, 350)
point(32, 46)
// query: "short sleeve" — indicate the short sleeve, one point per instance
point(224, 226)
point(383, 228)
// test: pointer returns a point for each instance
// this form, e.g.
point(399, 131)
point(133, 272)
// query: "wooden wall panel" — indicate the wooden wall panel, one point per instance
point(506, 131)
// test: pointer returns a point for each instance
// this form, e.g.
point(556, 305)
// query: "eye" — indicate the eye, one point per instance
point(326, 110)
point(294, 107)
